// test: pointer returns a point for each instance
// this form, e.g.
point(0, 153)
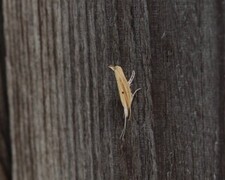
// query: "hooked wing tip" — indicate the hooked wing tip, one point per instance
point(112, 67)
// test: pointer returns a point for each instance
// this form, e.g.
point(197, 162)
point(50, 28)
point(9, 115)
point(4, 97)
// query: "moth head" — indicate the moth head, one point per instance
point(114, 67)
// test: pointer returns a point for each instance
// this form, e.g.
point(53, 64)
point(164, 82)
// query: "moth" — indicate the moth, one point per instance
point(126, 96)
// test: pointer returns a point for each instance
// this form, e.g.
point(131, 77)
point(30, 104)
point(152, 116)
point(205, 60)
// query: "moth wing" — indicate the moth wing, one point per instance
point(123, 87)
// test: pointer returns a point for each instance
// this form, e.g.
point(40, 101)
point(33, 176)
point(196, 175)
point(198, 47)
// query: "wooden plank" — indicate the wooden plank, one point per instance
point(187, 45)
point(5, 150)
point(65, 112)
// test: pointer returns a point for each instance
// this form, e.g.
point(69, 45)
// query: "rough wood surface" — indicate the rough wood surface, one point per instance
point(65, 113)
point(5, 150)
point(5, 155)
point(188, 88)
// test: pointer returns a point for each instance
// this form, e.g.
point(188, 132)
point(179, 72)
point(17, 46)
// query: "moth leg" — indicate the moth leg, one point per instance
point(131, 78)
point(124, 127)
point(135, 93)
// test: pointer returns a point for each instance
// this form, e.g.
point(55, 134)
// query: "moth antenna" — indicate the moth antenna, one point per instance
point(132, 77)
point(129, 114)
point(124, 129)
point(126, 114)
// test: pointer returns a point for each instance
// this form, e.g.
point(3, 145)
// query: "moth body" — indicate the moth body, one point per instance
point(126, 96)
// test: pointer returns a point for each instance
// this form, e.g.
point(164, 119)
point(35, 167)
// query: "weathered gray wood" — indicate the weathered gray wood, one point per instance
point(5, 151)
point(5, 155)
point(65, 114)
point(187, 46)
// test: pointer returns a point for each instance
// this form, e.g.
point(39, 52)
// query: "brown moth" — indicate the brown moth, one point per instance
point(126, 96)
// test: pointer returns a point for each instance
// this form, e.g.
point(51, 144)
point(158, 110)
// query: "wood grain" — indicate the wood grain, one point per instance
point(64, 108)
point(188, 88)
point(5, 144)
